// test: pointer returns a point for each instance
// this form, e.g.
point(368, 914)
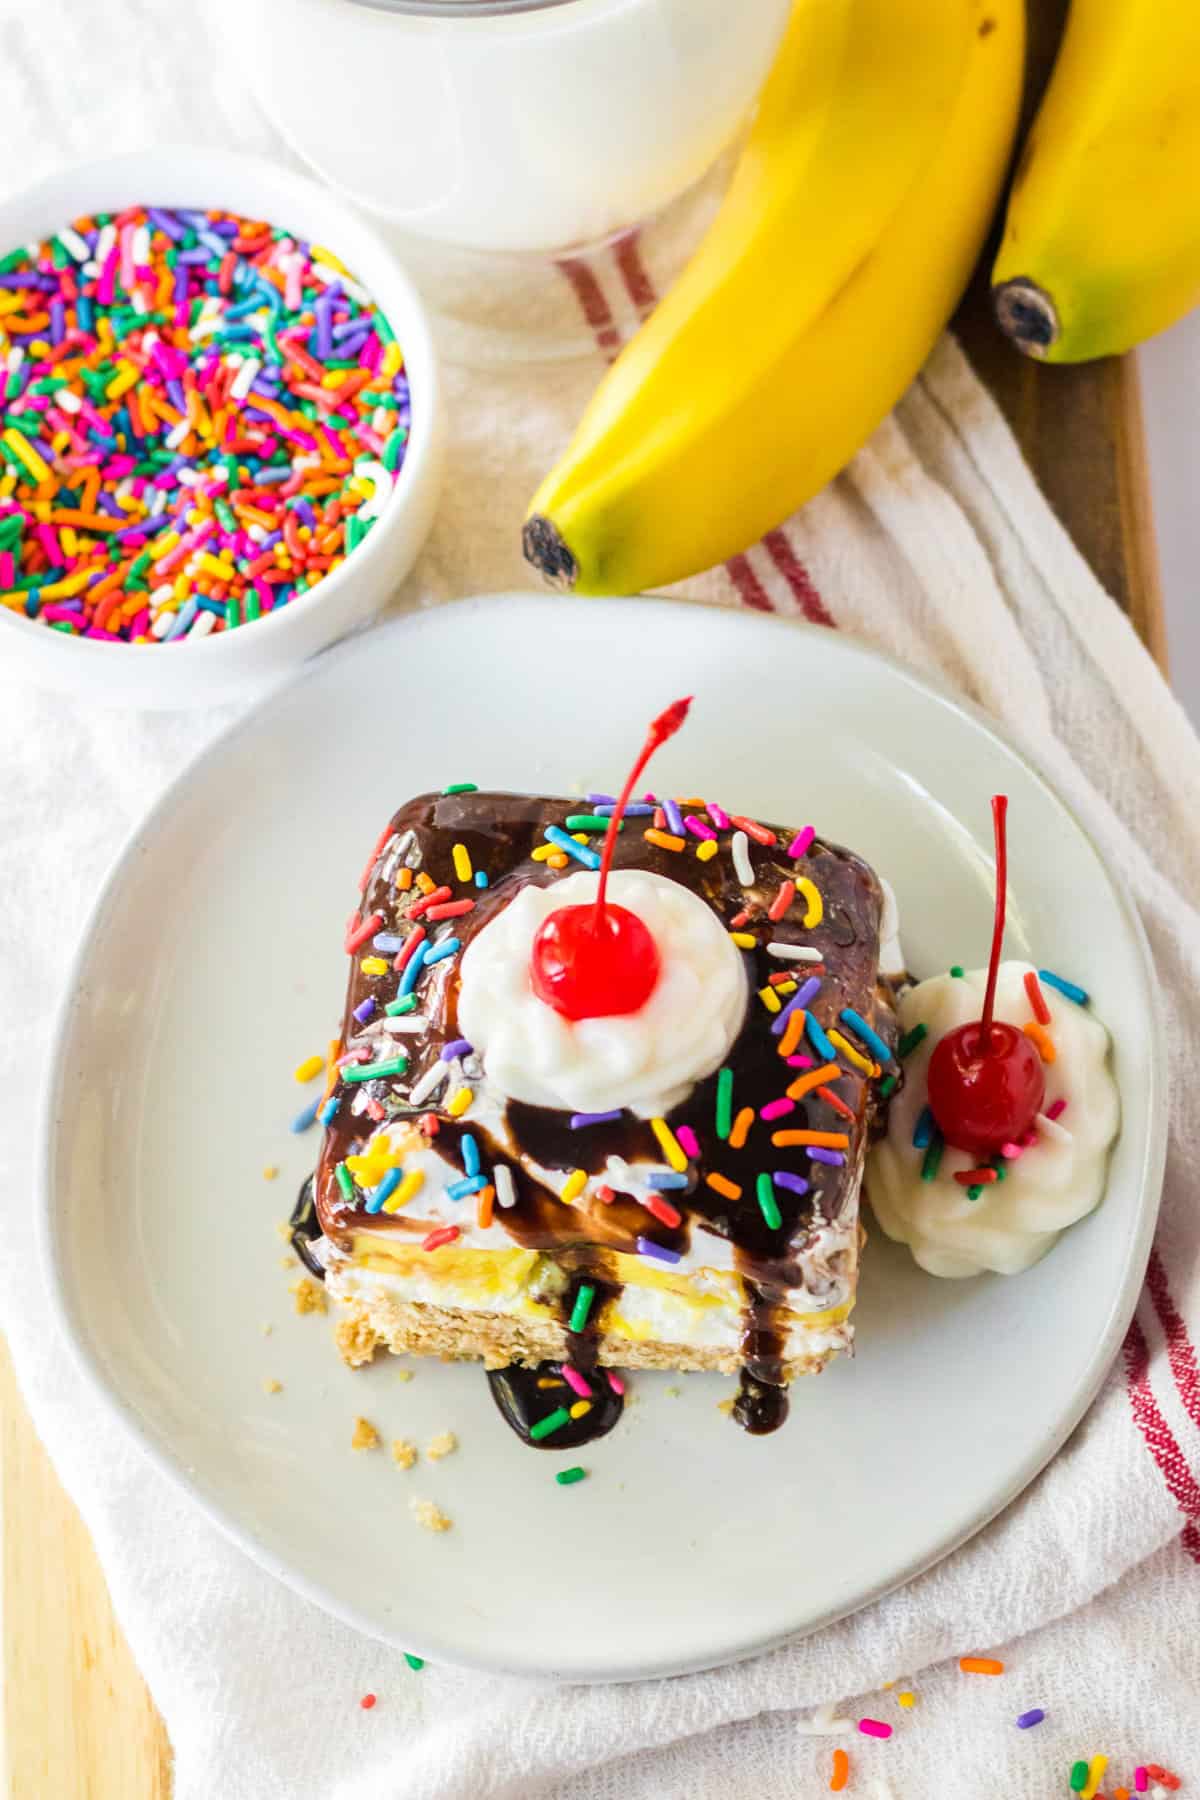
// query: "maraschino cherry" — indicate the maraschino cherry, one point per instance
point(595, 960)
point(986, 1084)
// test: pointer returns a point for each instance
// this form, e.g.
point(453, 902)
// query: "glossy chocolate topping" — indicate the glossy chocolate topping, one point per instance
point(525, 1395)
point(500, 832)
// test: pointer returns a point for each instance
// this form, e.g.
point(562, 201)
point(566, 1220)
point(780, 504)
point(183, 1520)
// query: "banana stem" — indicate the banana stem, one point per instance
point(1026, 313)
point(546, 549)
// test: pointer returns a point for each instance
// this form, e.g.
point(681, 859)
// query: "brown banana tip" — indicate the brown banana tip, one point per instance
point(546, 549)
point(1026, 314)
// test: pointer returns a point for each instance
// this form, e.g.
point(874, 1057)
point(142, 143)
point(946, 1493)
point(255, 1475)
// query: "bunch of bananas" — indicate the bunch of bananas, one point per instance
point(856, 213)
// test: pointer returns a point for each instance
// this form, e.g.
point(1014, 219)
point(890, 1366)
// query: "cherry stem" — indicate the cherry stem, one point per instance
point(664, 727)
point(999, 814)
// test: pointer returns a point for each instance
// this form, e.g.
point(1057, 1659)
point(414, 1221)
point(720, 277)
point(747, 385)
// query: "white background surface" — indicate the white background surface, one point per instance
point(1170, 372)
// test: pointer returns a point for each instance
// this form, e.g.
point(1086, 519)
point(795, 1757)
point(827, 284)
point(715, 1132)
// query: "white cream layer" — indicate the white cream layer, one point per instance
point(1049, 1187)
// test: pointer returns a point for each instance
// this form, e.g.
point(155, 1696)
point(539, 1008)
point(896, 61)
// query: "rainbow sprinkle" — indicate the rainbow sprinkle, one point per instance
point(551, 1423)
point(391, 1181)
point(658, 1252)
point(1079, 995)
point(562, 840)
point(582, 1307)
point(669, 1144)
point(764, 1189)
point(866, 1035)
point(304, 1119)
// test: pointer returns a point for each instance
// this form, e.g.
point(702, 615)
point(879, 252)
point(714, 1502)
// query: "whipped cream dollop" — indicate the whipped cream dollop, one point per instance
point(1051, 1185)
point(647, 1061)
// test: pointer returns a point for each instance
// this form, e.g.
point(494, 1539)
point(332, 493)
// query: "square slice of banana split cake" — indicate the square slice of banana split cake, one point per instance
point(602, 1131)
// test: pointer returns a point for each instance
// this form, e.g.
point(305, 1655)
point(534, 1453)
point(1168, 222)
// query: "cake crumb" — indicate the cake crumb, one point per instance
point(431, 1517)
point(404, 1374)
point(673, 1393)
point(267, 1328)
point(365, 1435)
point(356, 1340)
point(442, 1445)
point(271, 1171)
point(287, 1262)
point(726, 1406)
point(271, 1386)
point(308, 1295)
point(404, 1454)
point(283, 1229)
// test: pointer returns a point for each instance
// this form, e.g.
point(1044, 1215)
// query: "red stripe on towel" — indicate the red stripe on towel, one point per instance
point(1181, 1353)
point(797, 578)
point(634, 273)
point(1159, 1438)
point(751, 591)
point(592, 304)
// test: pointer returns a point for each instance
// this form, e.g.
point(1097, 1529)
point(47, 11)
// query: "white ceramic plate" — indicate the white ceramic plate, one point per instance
point(213, 965)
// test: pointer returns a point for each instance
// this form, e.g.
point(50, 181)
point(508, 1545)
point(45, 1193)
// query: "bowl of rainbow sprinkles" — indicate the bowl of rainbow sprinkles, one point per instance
point(220, 426)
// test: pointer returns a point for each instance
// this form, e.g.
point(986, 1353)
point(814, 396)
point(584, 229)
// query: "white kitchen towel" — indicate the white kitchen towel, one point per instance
point(936, 546)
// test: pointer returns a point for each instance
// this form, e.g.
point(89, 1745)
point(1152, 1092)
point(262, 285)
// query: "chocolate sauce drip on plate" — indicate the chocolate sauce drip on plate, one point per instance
point(760, 1406)
point(523, 1401)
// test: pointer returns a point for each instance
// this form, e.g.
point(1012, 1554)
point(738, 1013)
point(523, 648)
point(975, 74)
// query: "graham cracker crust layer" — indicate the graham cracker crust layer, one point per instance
point(415, 1328)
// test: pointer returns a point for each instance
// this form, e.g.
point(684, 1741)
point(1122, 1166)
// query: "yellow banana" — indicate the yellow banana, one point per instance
point(855, 214)
point(1102, 241)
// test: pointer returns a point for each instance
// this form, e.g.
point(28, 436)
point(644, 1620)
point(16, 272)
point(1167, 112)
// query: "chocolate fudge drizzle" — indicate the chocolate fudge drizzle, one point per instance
point(306, 1227)
point(500, 832)
point(523, 1397)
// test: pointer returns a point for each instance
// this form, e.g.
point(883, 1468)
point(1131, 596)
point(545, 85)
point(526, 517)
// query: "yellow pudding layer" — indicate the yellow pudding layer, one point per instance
point(652, 1304)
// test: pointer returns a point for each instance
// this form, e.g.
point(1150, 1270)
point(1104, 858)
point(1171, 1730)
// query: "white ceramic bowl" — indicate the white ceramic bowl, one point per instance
point(215, 667)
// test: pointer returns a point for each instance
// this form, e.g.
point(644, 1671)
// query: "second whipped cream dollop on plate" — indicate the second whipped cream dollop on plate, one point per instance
point(1054, 1182)
point(646, 1061)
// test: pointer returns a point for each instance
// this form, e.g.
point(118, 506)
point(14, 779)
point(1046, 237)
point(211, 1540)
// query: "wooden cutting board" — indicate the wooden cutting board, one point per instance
point(78, 1722)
